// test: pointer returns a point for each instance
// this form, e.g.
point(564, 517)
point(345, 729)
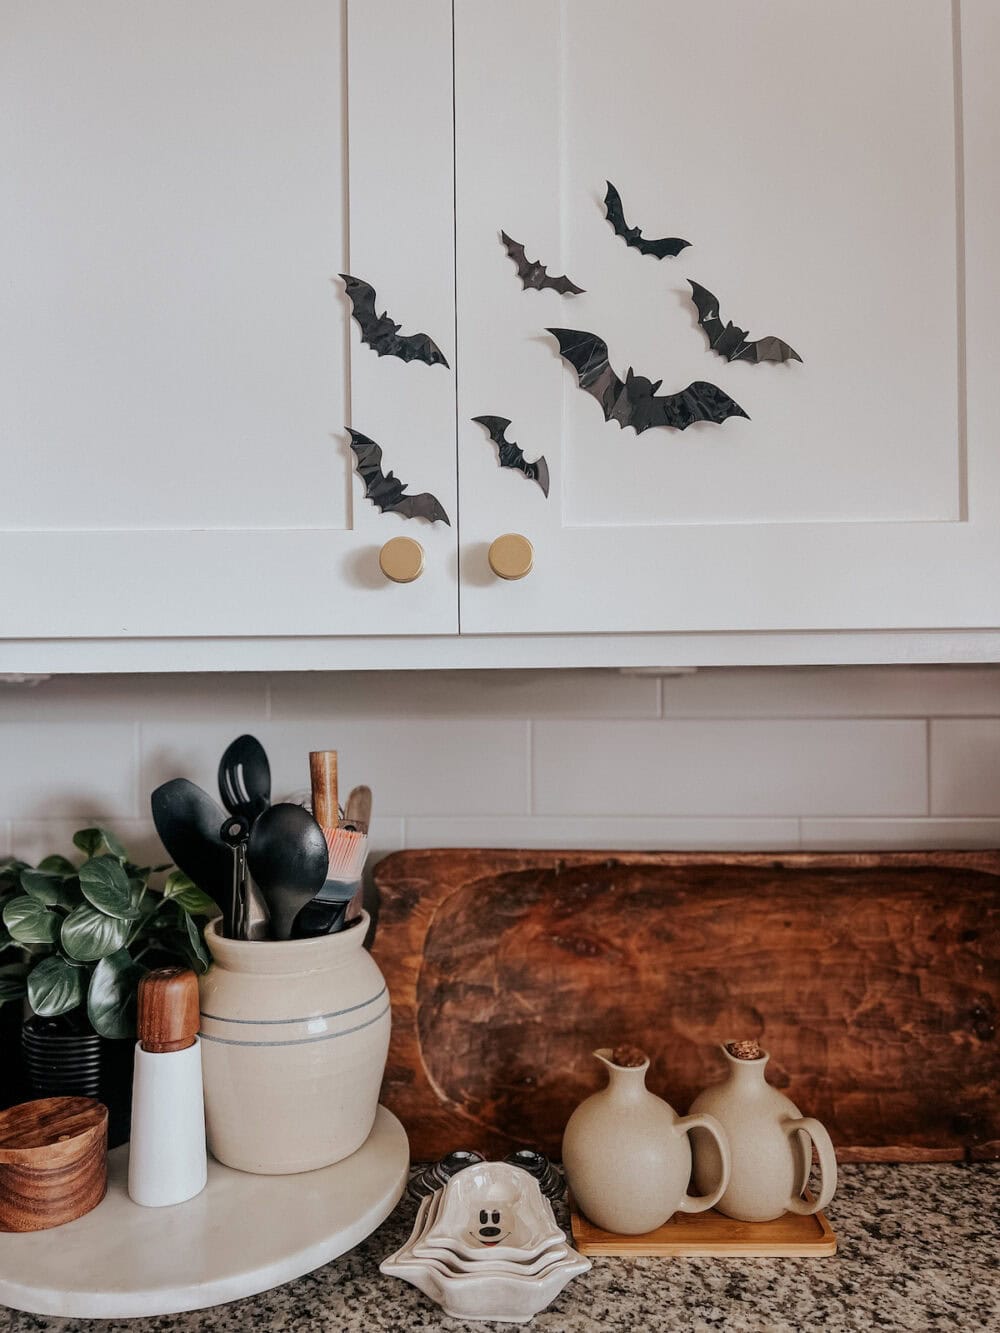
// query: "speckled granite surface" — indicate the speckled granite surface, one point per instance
point(919, 1249)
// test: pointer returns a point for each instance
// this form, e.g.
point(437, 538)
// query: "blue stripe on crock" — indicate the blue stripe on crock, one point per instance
point(311, 1018)
point(301, 1041)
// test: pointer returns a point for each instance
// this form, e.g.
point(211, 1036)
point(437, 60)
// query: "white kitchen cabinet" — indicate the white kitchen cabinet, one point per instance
point(177, 364)
point(185, 181)
point(837, 179)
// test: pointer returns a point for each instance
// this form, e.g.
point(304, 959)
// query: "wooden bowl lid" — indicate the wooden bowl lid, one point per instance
point(51, 1131)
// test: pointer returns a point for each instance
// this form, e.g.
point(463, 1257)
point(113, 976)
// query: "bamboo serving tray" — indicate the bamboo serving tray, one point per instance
point(712, 1235)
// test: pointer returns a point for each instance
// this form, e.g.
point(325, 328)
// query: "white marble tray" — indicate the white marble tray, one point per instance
point(243, 1234)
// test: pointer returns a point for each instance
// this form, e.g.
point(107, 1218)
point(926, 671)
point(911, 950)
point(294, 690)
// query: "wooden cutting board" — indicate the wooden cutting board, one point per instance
point(872, 979)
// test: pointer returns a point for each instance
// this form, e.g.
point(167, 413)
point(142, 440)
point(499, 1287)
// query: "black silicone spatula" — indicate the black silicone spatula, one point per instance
point(188, 822)
point(288, 857)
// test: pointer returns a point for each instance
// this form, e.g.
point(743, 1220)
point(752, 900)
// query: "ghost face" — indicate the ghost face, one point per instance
point(488, 1227)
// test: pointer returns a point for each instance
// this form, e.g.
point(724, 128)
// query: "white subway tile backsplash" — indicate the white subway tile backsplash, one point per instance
point(843, 691)
point(351, 694)
point(128, 698)
point(758, 758)
point(50, 769)
point(730, 768)
point(608, 832)
point(894, 835)
point(33, 839)
point(965, 767)
point(419, 766)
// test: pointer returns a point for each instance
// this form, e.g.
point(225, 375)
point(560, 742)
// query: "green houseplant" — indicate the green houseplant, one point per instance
point(88, 932)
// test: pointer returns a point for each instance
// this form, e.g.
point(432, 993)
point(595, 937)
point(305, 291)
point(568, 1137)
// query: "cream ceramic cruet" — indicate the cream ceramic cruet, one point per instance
point(769, 1142)
point(627, 1154)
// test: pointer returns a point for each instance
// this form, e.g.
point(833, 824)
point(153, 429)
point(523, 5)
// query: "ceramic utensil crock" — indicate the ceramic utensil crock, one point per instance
point(626, 1153)
point(294, 1035)
point(768, 1142)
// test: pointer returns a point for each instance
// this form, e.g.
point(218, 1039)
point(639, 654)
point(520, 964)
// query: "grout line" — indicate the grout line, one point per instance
point(660, 698)
point(267, 699)
point(929, 796)
point(136, 768)
point(529, 784)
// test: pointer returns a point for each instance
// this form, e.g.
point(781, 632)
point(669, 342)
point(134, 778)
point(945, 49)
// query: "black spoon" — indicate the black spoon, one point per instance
point(188, 821)
point(245, 779)
point(288, 859)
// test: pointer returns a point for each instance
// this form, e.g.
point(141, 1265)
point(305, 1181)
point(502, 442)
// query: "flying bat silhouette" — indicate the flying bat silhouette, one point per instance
point(386, 490)
point(382, 333)
point(633, 401)
point(729, 340)
point(510, 453)
point(668, 245)
point(534, 274)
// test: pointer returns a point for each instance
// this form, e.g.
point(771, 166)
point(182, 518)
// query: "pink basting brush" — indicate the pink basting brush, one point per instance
point(346, 838)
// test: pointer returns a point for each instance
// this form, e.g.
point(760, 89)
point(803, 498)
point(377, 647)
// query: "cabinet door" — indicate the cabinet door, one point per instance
point(827, 164)
point(178, 364)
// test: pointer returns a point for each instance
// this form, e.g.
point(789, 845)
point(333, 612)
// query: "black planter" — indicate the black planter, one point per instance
point(63, 1057)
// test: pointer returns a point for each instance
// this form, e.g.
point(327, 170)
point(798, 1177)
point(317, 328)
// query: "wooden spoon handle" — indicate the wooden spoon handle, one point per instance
point(323, 775)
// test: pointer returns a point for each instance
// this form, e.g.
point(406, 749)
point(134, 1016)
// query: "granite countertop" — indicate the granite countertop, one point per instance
point(918, 1249)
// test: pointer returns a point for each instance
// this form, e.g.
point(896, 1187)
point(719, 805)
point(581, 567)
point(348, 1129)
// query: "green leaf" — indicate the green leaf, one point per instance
point(55, 986)
point(49, 889)
point(58, 865)
point(91, 840)
point(198, 948)
point(29, 922)
point(185, 944)
point(5, 938)
point(88, 934)
point(10, 872)
point(185, 892)
point(111, 999)
point(105, 885)
point(12, 982)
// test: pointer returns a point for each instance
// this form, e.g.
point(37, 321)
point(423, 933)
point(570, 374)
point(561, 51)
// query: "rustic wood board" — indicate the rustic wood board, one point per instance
point(873, 980)
point(713, 1235)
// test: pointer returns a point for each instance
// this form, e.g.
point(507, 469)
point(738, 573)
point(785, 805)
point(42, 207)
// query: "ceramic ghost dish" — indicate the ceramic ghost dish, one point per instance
point(497, 1208)
point(530, 1264)
point(490, 1250)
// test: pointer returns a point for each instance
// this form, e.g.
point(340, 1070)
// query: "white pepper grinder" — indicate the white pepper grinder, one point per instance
point(167, 1158)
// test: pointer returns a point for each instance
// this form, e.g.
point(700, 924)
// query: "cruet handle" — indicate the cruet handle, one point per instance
point(697, 1203)
point(827, 1165)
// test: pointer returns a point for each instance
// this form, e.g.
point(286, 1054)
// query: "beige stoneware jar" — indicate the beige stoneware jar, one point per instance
point(627, 1154)
point(769, 1142)
point(294, 1037)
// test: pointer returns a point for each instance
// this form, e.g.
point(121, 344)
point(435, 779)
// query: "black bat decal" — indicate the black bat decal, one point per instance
point(382, 333)
point(633, 401)
point(535, 274)
point(668, 245)
point(386, 490)
point(729, 340)
point(510, 453)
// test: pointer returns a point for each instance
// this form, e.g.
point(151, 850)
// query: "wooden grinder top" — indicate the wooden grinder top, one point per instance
point(168, 1017)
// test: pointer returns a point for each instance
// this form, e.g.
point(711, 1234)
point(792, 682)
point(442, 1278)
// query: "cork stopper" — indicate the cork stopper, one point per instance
point(744, 1050)
point(169, 1012)
point(628, 1057)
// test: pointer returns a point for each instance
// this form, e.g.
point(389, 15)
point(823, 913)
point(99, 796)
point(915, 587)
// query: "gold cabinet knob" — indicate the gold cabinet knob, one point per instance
point(511, 556)
point(401, 560)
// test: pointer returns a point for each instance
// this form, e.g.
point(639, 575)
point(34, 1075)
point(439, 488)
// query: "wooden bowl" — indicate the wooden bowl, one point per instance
point(53, 1162)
